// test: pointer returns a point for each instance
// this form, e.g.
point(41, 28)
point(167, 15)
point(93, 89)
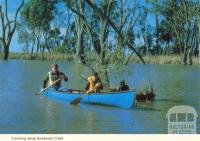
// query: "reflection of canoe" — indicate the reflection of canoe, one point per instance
point(118, 99)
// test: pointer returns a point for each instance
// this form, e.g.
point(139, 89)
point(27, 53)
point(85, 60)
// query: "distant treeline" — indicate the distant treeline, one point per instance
point(78, 27)
point(114, 31)
point(108, 27)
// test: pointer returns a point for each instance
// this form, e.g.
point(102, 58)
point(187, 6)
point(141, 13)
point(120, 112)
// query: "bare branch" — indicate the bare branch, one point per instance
point(91, 4)
point(75, 11)
point(16, 14)
point(1, 39)
point(7, 19)
point(2, 22)
point(1, 16)
point(82, 17)
point(10, 22)
point(128, 59)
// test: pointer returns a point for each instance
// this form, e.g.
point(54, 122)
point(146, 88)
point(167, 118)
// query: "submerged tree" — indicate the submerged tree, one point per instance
point(98, 39)
point(96, 20)
point(79, 7)
point(8, 27)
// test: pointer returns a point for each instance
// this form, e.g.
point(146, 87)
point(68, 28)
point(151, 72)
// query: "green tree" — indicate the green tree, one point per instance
point(38, 15)
point(24, 36)
point(181, 16)
point(155, 8)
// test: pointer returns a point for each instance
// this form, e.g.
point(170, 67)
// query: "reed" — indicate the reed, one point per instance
point(172, 59)
point(46, 56)
point(145, 93)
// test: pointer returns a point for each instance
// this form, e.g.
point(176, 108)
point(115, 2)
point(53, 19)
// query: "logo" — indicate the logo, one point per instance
point(182, 120)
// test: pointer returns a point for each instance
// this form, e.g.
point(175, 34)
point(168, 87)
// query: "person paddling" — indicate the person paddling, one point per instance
point(94, 84)
point(53, 76)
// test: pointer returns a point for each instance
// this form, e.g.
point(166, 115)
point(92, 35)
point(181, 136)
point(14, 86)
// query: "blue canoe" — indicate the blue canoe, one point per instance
point(119, 99)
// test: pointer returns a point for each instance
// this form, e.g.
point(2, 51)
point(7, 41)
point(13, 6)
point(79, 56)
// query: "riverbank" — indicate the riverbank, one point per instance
point(172, 59)
point(46, 56)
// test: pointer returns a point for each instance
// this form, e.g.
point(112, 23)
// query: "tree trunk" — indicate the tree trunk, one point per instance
point(189, 56)
point(46, 42)
point(199, 36)
point(185, 54)
point(43, 48)
point(8, 28)
point(106, 79)
point(5, 52)
point(168, 49)
point(103, 37)
point(157, 35)
point(79, 57)
point(26, 48)
point(119, 42)
point(80, 48)
point(32, 48)
point(199, 45)
point(38, 45)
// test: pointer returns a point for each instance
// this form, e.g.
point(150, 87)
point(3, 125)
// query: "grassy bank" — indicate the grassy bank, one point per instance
point(173, 59)
point(47, 56)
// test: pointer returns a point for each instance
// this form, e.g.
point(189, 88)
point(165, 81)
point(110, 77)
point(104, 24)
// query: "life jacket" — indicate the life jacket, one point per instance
point(50, 78)
point(53, 78)
point(91, 83)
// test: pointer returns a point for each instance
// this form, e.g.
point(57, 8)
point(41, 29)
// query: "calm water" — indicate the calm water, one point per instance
point(22, 112)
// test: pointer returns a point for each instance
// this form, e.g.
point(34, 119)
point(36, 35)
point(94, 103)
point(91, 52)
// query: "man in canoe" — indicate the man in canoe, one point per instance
point(52, 76)
point(94, 84)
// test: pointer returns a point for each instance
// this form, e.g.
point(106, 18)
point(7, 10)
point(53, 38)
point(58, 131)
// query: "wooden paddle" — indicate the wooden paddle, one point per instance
point(40, 92)
point(77, 100)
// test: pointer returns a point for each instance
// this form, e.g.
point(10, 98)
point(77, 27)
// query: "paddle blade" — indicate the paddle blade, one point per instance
point(38, 93)
point(76, 101)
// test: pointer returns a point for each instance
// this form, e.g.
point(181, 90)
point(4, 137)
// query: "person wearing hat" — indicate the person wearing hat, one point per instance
point(52, 76)
point(94, 84)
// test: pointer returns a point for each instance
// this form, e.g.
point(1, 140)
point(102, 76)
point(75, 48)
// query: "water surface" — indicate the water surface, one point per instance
point(23, 112)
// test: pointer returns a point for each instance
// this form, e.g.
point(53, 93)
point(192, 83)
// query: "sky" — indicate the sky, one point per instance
point(12, 7)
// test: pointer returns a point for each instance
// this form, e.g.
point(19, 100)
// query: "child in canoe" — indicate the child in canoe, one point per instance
point(94, 84)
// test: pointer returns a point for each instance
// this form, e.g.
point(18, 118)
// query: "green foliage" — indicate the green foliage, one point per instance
point(61, 50)
point(38, 14)
point(100, 40)
point(23, 35)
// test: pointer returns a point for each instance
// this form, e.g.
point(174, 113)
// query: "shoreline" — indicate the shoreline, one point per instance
point(172, 59)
